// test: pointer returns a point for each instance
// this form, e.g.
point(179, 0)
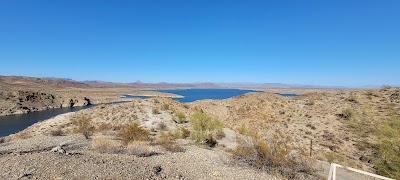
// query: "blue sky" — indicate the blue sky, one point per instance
point(341, 42)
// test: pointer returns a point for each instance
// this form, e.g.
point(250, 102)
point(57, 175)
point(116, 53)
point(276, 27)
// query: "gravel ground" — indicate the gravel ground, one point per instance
point(33, 159)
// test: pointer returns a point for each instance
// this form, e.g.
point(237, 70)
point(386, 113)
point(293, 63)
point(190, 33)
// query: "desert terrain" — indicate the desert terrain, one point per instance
point(258, 135)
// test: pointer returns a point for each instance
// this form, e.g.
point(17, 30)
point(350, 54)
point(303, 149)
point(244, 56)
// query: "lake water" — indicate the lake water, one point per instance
point(15, 123)
point(191, 95)
point(287, 95)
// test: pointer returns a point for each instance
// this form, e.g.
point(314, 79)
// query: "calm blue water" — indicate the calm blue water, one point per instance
point(191, 95)
point(287, 95)
point(14, 123)
point(130, 96)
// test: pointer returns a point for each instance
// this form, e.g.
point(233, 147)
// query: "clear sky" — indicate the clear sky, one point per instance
point(338, 42)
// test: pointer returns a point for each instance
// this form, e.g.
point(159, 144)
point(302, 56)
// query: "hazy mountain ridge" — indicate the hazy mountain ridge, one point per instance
point(22, 81)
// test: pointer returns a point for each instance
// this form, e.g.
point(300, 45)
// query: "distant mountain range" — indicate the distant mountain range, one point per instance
point(66, 82)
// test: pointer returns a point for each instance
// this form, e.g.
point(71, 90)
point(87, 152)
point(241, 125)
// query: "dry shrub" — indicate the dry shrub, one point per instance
point(275, 155)
point(2, 140)
point(140, 148)
point(155, 111)
point(204, 128)
point(347, 114)
point(185, 133)
point(181, 117)
point(104, 127)
point(132, 132)
point(242, 129)
point(23, 135)
point(165, 107)
point(57, 132)
point(167, 141)
point(162, 126)
point(104, 144)
point(84, 126)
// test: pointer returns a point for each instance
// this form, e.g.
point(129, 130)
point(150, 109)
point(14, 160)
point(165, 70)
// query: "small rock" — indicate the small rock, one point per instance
point(58, 149)
point(157, 169)
point(217, 174)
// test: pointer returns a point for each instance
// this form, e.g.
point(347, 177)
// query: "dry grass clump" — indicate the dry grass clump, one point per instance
point(165, 107)
point(84, 126)
point(104, 144)
point(140, 148)
point(155, 111)
point(185, 133)
point(104, 127)
point(352, 98)
point(168, 142)
point(181, 118)
point(275, 155)
point(57, 132)
point(204, 129)
point(23, 135)
point(132, 132)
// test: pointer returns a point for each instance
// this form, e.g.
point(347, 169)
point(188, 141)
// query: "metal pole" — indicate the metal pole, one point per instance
point(311, 148)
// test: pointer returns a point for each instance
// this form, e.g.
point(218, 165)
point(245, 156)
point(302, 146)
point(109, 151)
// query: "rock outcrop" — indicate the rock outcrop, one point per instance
point(18, 101)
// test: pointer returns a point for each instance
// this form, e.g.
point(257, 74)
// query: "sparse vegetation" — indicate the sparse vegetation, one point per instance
point(155, 111)
point(352, 98)
point(162, 126)
point(104, 144)
point(272, 156)
point(167, 141)
point(385, 133)
point(346, 114)
point(311, 126)
point(84, 126)
point(165, 107)
point(2, 140)
point(140, 149)
point(132, 132)
point(104, 127)
point(185, 133)
point(204, 127)
point(181, 117)
point(57, 132)
point(371, 93)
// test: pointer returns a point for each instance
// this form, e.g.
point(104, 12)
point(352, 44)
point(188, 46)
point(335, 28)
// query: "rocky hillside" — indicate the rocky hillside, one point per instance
point(32, 82)
point(17, 102)
point(347, 127)
point(162, 142)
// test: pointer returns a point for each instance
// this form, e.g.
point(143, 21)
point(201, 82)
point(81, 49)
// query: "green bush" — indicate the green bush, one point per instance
point(204, 128)
point(132, 132)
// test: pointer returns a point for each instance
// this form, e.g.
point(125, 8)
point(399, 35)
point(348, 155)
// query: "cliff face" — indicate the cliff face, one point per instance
point(18, 101)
